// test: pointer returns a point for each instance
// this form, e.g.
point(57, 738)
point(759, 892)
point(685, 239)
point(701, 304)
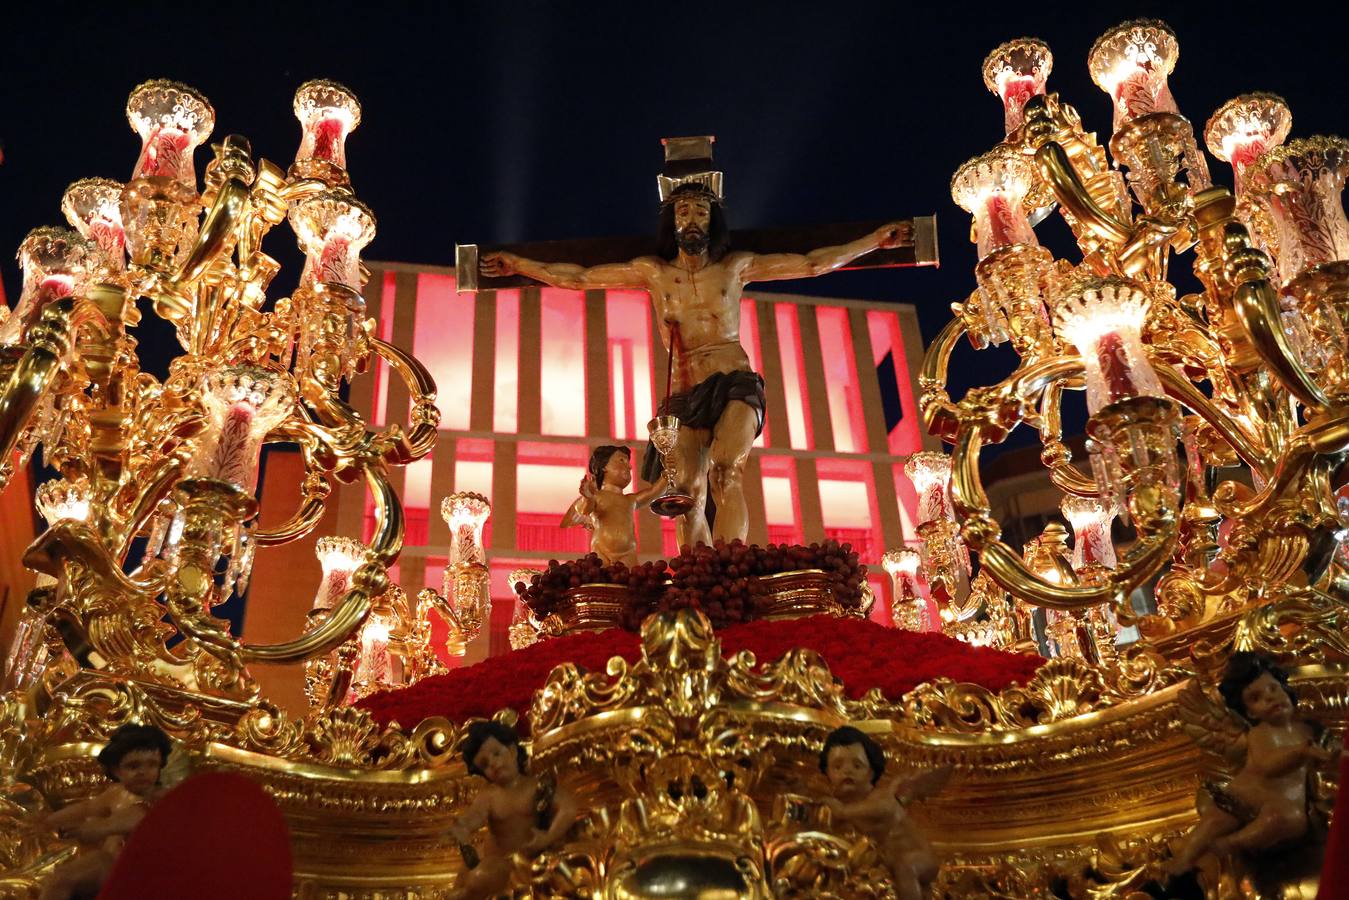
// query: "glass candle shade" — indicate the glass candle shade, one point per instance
point(340, 557)
point(333, 227)
point(1131, 62)
point(56, 263)
point(1091, 520)
point(1300, 183)
point(61, 499)
point(1017, 71)
point(58, 500)
point(374, 668)
point(466, 514)
point(1103, 318)
point(909, 609)
point(991, 188)
point(328, 112)
point(93, 207)
point(1245, 128)
point(172, 120)
point(930, 473)
point(243, 403)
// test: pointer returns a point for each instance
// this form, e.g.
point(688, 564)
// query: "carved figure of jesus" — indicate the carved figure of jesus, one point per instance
point(695, 285)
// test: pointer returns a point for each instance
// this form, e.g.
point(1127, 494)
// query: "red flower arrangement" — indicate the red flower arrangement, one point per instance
point(721, 580)
point(861, 654)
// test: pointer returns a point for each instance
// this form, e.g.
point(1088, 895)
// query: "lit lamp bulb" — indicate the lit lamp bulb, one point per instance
point(328, 112)
point(467, 583)
point(945, 557)
point(56, 263)
point(1301, 183)
point(243, 403)
point(1017, 71)
point(522, 631)
point(991, 188)
point(909, 609)
point(1091, 520)
point(1133, 427)
point(159, 205)
point(93, 206)
point(1131, 62)
point(340, 557)
point(56, 501)
point(1103, 318)
point(930, 473)
point(1014, 270)
point(374, 669)
point(333, 227)
point(466, 513)
point(1245, 127)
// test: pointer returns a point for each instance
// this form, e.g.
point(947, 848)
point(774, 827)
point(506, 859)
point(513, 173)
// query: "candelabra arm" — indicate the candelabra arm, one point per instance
point(1057, 170)
point(49, 343)
point(1003, 564)
point(939, 413)
point(1257, 307)
point(313, 499)
point(1056, 456)
point(230, 206)
point(387, 541)
point(425, 416)
point(1178, 387)
point(1320, 444)
point(367, 583)
point(158, 483)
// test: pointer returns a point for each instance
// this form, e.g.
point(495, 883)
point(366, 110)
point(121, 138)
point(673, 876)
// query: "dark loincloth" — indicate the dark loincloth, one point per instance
point(702, 408)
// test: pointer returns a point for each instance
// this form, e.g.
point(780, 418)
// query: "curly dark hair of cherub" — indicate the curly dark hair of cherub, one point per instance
point(505, 735)
point(599, 458)
point(1243, 668)
point(847, 736)
point(129, 739)
point(718, 231)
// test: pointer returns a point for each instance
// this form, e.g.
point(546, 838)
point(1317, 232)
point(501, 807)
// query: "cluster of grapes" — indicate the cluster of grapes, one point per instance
point(724, 580)
point(721, 580)
point(549, 588)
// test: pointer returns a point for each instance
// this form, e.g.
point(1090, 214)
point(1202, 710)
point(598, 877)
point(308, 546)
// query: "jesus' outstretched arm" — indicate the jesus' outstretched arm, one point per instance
point(568, 275)
point(783, 266)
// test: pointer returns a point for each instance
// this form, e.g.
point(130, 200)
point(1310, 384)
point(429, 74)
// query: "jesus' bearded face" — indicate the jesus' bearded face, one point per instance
point(692, 221)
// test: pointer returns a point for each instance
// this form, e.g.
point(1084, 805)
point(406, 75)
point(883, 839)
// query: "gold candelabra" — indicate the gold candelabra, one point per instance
point(155, 516)
point(1223, 406)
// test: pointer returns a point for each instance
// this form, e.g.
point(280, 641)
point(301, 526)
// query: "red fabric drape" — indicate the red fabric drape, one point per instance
point(1335, 870)
point(216, 836)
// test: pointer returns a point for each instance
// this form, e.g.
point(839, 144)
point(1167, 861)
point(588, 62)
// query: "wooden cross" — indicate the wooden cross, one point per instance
point(920, 251)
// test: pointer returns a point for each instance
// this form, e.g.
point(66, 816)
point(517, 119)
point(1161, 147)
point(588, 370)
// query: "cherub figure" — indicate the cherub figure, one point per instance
point(854, 764)
point(524, 813)
point(606, 510)
point(1265, 805)
point(133, 758)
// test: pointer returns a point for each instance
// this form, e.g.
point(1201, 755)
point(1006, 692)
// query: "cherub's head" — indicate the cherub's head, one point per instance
point(134, 756)
point(693, 220)
point(611, 464)
point(851, 760)
point(1257, 689)
point(494, 751)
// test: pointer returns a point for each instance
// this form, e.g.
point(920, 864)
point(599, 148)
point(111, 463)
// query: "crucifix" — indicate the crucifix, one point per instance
point(695, 274)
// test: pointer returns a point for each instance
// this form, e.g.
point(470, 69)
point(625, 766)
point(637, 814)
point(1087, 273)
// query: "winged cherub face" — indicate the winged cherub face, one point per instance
point(1267, 700)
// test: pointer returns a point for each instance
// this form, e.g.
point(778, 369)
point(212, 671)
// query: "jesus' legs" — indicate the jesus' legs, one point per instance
point(691, 458)
point(731, 442)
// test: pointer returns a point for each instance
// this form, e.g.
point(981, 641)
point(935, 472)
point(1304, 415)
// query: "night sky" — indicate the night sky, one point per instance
point(502, 122)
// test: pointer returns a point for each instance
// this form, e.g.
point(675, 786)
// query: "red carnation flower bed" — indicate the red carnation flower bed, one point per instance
point(862, 654)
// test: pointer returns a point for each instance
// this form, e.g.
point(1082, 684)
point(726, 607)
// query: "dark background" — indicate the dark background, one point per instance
point(511, 121)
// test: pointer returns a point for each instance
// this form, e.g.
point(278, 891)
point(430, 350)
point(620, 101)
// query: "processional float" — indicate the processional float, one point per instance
point(1217, 428)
